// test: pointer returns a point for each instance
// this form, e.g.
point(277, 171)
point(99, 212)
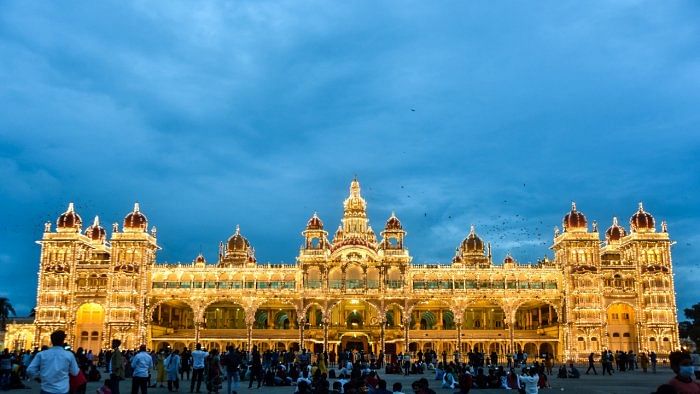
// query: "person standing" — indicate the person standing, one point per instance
point(232, 363)
point(652, 358)
point(591, 364)
point(198, 356)
point(256, 367)
point(644, 361)
point(116, 366)
point(142, 363)
point(53, 366)
point(172, 365)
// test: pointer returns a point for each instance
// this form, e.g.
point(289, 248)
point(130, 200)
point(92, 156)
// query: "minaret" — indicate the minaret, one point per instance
point(355, 222)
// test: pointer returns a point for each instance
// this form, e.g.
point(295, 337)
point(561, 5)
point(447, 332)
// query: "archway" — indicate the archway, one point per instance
point(354, 277)
point(89, 323)
point(484, 316)
point(353, 315)
point(621, 327)
point(432, 315)
point(354, 341)
point(533, 315)
point(224, 315)
point(277, 315)
point(170, 317)
point(546, 348)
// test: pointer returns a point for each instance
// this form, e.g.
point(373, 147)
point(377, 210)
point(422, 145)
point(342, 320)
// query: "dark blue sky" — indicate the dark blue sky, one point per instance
point(213, 114)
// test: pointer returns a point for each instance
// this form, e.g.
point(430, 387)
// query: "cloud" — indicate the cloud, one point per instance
point(217, 113)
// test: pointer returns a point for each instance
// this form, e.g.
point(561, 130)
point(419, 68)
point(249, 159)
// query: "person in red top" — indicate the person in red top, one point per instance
point(683, 382)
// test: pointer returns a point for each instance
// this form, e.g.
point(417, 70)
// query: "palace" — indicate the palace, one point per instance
point(358, 291)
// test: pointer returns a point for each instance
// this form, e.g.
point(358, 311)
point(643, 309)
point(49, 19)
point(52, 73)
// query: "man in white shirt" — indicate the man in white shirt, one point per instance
point(53, 366)
point(198, 357)
point(142, 363)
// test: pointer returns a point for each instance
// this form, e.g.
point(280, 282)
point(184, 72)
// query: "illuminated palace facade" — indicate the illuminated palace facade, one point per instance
point(358, 290)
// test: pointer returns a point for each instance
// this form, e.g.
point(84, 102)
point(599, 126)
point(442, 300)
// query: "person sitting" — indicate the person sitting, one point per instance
point(562, 372)
point(448, 379)
point(439, 372)
point(480, 379)
point(94, 375)
point(573, 372)
point(512, 380)
point(372, 380)
point(493, 381)
point(396, 388)
point(381, 388)
point(337, 388)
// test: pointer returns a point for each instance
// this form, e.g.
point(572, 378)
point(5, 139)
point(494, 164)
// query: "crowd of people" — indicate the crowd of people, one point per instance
point(62, 370)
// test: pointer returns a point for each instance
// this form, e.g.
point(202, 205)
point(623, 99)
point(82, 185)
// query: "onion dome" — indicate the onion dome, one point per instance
point(575, 220)
point(314, 223)
point(96, 232)
point(69, 220)
point(642, 221)
point(393, 223)
point(237, 242)
point(509, 259)
point(473, 244)
point(615, 232)
point(200, 259)
point(135, 220)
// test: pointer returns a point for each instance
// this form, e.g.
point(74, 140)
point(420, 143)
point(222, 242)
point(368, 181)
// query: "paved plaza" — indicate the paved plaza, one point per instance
point(620, 383)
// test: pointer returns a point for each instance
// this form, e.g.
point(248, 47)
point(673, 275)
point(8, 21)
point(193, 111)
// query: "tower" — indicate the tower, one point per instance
point(133, 255)
point(577, 252)
point(470, 252)
point(646, 255)
point(237, 252)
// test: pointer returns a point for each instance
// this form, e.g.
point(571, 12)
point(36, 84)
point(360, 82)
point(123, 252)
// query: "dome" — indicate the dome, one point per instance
point(314, 223)
point(96, 232)
point(69, 219)
point(237, 242)
point(509, 259)
point(135, 220)
point(473, 244)
point(642, 221)
point(393, 223)
point(615, 232)
point(200, 259)
point(575, 220)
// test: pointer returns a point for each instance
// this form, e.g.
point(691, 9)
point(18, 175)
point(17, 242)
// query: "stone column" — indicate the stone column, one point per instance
point(459, 339)
point(325, 335)
point(301, 322)
point(406, 323)
point(249, 335)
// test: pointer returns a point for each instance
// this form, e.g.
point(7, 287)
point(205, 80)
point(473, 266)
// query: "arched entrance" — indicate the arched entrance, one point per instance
point(88, 326)
point(621, 327)
point(354, 341)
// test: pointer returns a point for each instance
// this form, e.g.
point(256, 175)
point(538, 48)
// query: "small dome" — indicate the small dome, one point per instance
point(642, 221)
point(200, 259)
point(237, 242)
point(135, 220)
point(575, 220)
point(315, 223)
point(473, 244)
point(509, 259)
point(69, 219)
point(96, 232)
point(393, 223)
point(615, 232)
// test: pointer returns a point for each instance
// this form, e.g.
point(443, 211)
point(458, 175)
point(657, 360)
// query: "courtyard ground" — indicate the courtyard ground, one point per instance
point(635, 382)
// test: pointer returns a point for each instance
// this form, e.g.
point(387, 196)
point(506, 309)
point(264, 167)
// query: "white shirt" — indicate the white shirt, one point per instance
point(53, 366)
point(530, 383)
point(142, 363)
point(198, 357)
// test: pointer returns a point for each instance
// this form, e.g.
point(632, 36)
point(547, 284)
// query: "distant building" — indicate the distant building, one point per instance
point(359, 291)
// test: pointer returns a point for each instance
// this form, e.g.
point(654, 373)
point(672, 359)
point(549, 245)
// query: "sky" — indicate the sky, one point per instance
point(213, 114)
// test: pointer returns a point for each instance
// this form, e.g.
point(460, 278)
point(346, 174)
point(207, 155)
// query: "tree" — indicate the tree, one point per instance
point(5, 309)
point(691, 328)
